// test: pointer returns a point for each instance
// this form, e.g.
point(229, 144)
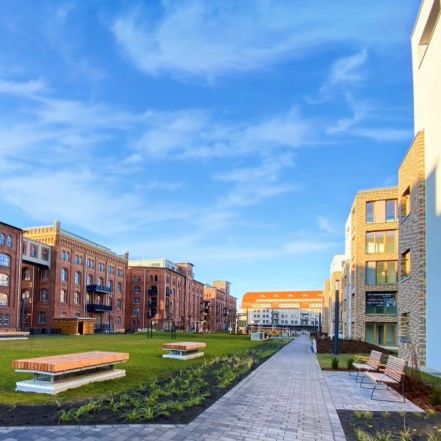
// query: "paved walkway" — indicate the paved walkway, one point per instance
point(286, 398)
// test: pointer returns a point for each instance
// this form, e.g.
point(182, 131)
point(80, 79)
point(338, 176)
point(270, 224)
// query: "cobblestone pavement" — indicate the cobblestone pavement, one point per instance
point(347, 394)
point(286, 398)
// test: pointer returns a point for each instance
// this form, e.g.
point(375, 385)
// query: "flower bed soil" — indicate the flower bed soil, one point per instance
point(324, 346)
point(215, 380)
point(419, 425)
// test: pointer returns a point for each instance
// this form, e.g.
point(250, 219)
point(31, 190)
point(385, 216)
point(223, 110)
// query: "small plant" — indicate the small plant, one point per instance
point(133, 416)
point(435, 396)
point(433, 436)
point(406, 434)
point(349, 363)
point(334, 363)
point(361, 435)
point(85, 409)
point(385, 414)
point(66, 416)
point(383, 436)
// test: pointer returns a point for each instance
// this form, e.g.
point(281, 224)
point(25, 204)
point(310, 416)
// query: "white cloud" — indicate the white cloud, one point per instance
point(325, 225)
point(209, 39)
point(346, 70)
point(24, 88)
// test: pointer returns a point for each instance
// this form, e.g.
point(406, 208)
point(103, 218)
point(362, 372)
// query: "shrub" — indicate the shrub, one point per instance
point(349, 363)
point(435, 397)
point(334, 363)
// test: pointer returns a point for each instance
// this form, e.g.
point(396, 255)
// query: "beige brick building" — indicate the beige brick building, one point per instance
point(369, 306)
point(412, 254)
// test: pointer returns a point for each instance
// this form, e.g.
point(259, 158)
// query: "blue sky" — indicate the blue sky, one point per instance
point(233, 135)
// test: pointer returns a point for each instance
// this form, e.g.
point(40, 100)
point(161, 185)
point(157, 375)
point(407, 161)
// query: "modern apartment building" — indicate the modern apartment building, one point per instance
point(161, 291)
point(372, 270)
point(219, 307)
point(426, 67)
point(10, 274)
point(85, 280)
point(289, 309)
point(334, 292)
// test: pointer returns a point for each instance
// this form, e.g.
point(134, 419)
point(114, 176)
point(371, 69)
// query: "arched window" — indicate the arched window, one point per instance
point(64, 274)
point(4, 280)
point(27, 274)
point(89, 279)
point(137, 289)
point(77, 277)
point(5, 260)
point(63, 296)
point(111, 285)
point(119, 287)
point(9, 240)
point(2, 239)
point(3, 299)
point(44, 296)
point(77, 299)
point(101, 282)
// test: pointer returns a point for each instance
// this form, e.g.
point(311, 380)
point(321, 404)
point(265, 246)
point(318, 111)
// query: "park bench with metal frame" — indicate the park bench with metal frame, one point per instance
point(58, 373)
point(393, 373)
point(373, 363)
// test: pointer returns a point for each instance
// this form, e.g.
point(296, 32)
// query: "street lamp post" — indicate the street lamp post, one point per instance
point(336, 317)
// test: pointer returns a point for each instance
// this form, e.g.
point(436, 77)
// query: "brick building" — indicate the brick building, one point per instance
point(85, 280)
point(219, 311)
point(10, 275)
point(163, 291)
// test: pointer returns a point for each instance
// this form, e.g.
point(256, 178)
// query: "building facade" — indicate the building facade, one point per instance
point(164, 292)
point(219, 307)
point(287, 309)
point(426, 68)
point(85, 280)
point(10, 275)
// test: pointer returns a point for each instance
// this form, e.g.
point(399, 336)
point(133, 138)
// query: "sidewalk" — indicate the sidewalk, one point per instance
point(286, 398)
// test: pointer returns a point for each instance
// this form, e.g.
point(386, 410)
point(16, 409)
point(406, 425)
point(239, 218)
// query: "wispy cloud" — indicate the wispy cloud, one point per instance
point(205, 39)
point(325, 225)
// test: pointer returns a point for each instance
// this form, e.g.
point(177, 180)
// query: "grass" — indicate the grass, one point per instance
point(145, 361)
point(325, 360)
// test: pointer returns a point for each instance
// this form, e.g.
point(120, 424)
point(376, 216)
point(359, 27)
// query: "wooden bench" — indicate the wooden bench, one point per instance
point(393, 373)
point(372, 364)
point(58, 373)
point(13, 334)
point(183, 350)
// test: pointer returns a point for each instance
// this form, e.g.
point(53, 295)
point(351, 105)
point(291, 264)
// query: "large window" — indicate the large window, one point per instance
point(63, 296)
point(3, 299)
point(77, 277)
point(381, 303)
point(41, 317)
point(63, 274)
point(405, 203)
point(4, 280)
point(378, 212)
point(5, 260)
point(77, 298)
point(405, 265)
point(381, 242)
point(381, 273)
point(381, 333)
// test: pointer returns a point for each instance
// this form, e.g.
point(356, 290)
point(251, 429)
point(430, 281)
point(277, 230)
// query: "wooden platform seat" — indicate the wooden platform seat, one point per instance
point(58, 373)
point(183, 350)
point(13, 334)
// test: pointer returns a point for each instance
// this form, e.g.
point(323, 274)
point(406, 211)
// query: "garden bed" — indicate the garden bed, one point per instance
point(175, 398)
point(390, 426)
point(324, 346)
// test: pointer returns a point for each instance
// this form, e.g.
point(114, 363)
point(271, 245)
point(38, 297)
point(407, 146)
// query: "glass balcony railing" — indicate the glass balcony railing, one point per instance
point(95, 307)
point(99, 288)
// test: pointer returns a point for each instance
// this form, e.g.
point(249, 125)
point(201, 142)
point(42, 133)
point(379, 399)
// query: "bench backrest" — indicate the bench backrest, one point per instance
point(395, 368)
point(374, 359)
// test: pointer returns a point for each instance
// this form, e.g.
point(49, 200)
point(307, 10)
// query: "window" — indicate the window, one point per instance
point(381, 242)
point(381, 333)
point(378, 212)
point(78, 259)
point(404, 328)
point(137, 289)
point(2, 239)
point(89, 279)
point(426, 36)
point(63, 296)
point(110, 285)
point(63, 315)
point(33, 250)
point(405, 265)
point(44, 275)
point(77, 277)
point(41, 317)
point(381, 303)
point(9, 241)
point(63, 274)
point(4, 301)
point(5, 260)
point(4, 319)
point(65, 255)
point(4, 280)
point(101, 281)
point(119, 303)
point(118, 320)
point(156, 278)
point(90, 263)
point(101, 266)
point(136, 300)
point(383, 272)
point(111, 269)
point(405, 203)
point(44, 295)
point(119, 287)
point(27, 274)
point(45, 253)
point(77, 299)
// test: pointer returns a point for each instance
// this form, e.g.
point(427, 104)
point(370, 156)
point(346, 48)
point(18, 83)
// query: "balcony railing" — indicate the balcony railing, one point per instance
point(95, 307)
point(99, 288)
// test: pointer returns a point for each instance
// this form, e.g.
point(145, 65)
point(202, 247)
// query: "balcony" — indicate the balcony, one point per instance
point(100, 289)
point(95, 307)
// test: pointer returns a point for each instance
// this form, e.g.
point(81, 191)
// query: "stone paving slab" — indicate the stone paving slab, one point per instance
point(348, 395)
point(286, 398)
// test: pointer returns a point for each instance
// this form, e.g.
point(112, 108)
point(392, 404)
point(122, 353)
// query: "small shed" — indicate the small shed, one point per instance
point(75, 325)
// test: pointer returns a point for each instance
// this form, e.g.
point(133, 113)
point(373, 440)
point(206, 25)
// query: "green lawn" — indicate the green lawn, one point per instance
point(145, 360)
point(326, 359)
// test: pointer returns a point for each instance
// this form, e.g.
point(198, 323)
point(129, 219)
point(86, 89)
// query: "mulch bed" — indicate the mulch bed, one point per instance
point(324, 346)
point(419, 425)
